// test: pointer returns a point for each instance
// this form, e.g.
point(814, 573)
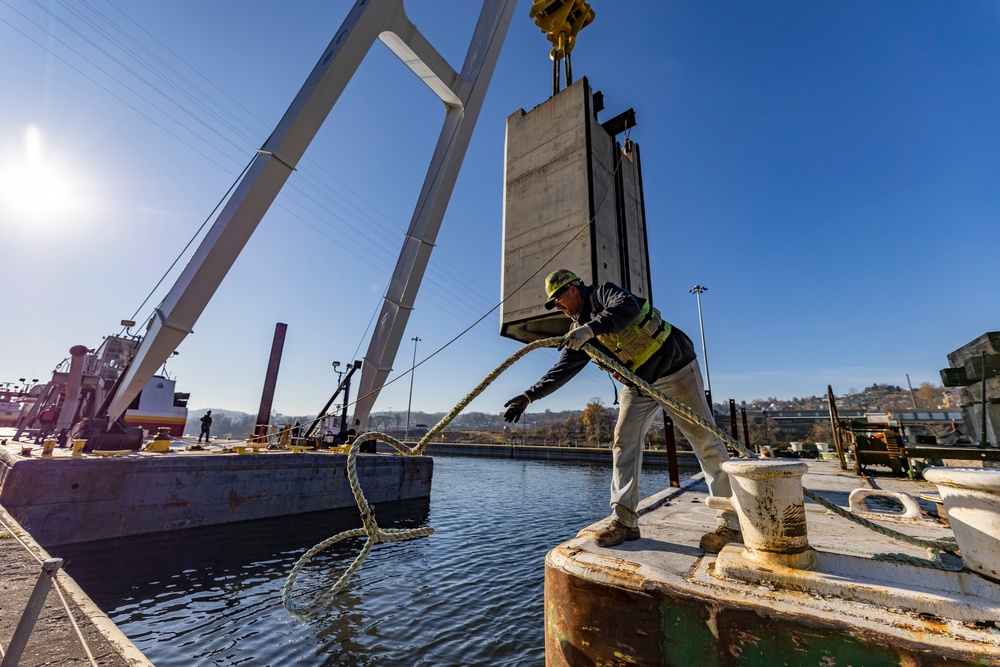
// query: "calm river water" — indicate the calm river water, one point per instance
point(471, 594)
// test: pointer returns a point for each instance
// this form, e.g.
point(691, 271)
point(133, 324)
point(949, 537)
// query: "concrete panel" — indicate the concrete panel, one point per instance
point(572, 200)
point(546, 202)
point(62, 501)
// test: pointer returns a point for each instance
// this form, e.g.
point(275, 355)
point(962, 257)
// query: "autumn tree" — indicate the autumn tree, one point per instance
point(821, 432)
point(765, 432)
point(596, 422)
point(929, 396)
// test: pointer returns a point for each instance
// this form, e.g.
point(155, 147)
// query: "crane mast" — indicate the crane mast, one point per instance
point(462, 94)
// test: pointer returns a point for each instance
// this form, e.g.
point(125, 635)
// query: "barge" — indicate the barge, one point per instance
point(855, 598)
point(65, 499)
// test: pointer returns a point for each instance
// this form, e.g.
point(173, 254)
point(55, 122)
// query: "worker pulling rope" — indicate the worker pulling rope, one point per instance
point(375, 534)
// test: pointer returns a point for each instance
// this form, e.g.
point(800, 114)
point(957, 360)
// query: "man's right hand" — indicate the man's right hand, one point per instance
point(515, 408)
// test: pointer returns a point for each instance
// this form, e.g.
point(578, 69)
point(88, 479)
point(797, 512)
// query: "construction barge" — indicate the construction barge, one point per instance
point(842, 596)
point(65, 499)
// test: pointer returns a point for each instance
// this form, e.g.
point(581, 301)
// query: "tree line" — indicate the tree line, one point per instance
point(591, 427)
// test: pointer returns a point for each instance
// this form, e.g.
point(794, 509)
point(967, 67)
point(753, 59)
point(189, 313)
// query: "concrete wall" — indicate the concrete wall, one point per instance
point(64, 500)
point(650, 458)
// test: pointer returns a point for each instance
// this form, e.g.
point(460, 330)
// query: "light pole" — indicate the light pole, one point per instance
point(697, 290)
point(340, 374)
point(413, 371)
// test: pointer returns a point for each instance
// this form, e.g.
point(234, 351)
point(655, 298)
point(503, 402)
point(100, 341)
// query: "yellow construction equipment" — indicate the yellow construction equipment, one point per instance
point(562, 20)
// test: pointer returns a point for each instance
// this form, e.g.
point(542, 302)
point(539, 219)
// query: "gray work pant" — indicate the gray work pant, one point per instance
point(635, 416)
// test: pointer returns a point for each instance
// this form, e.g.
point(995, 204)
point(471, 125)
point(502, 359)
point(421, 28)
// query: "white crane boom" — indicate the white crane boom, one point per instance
point(462, 95)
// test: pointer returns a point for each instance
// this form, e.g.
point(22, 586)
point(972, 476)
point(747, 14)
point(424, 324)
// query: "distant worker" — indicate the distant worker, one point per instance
point(296, 432)
point(46, 421)
point(634, 332)
point(206, 427)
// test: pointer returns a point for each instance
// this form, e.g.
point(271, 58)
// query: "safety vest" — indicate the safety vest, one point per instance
point(636, 343)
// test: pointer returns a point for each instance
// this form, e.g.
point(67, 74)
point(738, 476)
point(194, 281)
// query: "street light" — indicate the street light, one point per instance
point(697, 290)
point(340, 375)
point(413, 371)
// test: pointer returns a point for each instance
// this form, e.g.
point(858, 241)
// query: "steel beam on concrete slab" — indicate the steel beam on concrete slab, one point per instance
point(31, 610)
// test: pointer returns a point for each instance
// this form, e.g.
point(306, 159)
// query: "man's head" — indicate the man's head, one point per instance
point(209, 412)
point(564, 289)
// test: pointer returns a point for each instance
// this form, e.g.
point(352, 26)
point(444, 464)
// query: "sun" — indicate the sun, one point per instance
point(39, 190)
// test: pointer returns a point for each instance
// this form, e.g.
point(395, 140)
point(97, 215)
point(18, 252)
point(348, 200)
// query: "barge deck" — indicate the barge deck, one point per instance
point(660, 600)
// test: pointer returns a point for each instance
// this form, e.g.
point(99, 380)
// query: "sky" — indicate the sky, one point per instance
point(826, 169)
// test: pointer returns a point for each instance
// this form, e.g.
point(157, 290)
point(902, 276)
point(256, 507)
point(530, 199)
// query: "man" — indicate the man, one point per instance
point(634, 332)
point(206, 427)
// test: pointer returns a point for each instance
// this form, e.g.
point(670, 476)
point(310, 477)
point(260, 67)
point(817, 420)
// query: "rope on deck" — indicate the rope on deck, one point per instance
point(933, 562)
point(375, 534)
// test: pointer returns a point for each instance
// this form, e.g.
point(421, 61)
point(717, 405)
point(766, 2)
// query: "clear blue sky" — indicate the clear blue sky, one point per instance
point(827, 169)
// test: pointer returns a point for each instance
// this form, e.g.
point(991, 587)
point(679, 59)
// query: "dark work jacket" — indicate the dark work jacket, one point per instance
point(615, 309)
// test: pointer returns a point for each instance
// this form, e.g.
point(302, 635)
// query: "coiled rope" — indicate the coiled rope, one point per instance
point(371, 529)
point(375, 534)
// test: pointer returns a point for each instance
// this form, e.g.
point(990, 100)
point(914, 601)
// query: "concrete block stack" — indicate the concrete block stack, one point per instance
point(970, 365)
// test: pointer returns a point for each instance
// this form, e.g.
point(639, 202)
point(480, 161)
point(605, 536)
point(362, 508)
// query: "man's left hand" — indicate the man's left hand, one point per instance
point(577, 338)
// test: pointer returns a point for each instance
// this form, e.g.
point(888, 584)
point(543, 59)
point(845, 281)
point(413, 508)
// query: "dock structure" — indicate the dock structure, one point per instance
point(69, 629)
point(65, 499)
point(660, 600)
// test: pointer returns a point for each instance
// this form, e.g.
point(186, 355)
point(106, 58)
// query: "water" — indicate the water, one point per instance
point(471, 594)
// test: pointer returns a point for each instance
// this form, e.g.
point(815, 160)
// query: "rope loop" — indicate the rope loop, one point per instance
point(371, 529)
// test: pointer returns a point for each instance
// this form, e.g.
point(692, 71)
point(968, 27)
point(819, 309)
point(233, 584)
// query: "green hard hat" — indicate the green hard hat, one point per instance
point(555, 282)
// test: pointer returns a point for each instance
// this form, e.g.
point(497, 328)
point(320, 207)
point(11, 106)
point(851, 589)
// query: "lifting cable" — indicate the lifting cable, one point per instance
point(374, 534)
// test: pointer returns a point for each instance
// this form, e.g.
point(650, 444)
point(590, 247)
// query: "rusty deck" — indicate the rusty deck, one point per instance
point(661, 601)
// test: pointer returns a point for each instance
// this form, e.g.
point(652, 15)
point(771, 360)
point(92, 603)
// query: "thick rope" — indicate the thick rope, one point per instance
point(375, 534)
point(945, 544)
point(608, 363)
point(371, 529)
point(918, 562)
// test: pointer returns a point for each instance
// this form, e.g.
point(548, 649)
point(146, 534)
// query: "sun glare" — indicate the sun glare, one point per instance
point(39, 190)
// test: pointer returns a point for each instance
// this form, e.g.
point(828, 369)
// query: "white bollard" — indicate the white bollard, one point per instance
point(767, 497)
point(972, 498)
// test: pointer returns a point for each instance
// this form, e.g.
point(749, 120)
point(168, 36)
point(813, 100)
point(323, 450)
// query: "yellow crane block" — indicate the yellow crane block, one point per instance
point(561, 20)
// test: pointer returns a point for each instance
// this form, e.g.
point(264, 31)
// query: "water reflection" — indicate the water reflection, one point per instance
point(216, 590)
point(471, 594)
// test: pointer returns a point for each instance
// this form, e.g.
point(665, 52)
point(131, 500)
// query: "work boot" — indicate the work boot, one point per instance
point(720, 537)
point(614, 534)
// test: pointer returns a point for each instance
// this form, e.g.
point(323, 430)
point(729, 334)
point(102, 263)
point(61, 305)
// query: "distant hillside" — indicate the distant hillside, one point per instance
point(592, 423)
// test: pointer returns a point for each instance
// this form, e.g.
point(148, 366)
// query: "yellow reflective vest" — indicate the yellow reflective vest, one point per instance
point(639, 341)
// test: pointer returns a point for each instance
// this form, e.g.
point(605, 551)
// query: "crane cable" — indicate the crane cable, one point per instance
point(375, 534)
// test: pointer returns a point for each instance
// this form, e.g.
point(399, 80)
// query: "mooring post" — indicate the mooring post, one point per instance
point(668, 434)
point(31, 611)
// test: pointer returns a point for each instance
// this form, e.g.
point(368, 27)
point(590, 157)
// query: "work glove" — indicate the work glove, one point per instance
point(576, 338)
point(515, 408)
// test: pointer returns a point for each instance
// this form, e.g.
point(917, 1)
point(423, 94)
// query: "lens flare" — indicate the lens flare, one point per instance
point(40, 191)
